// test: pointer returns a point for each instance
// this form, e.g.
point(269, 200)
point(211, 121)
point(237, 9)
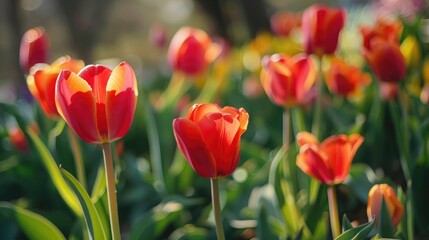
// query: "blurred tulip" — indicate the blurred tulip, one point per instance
point(329, 161)
point(209, 138)
point(42, 78)
point(17, 137)
point(34, 48)
point(288, 81)
point(98, 103)
point(394, 207)
point(191, 51)
point(283, 23)
point(410, 49)
point(388, 91)
point(346, 80)
point(389, 31)
point(321, 27)
point(158, 35)
point(386, 60)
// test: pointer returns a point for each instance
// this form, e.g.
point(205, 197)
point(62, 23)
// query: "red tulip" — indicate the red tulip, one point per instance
point(394, 207)
point(209, 138)
point(321, 27)
point(283, 23)
point(346, 80)
point(288, 81)
point(42, 79)
point(17, 137)
point(329, 161)
point(386, 60)
point(98, 103)
point(389, 31)
point(191, 51)
point(34, 48)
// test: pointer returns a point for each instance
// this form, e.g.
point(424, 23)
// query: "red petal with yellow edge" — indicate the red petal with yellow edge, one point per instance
point(305, 137)
point(76, 104)
point(121, 100)
point(191, 144)
point(311, 163)
point(97, 77)
point(45, 81)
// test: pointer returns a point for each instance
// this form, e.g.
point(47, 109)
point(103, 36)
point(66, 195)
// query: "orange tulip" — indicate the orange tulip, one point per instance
point(34, 48)
point(191, 51)
point(386, 60)
point(288, 81)
point(346, 80)
point(98, 103)
point(209, 138)
point(321, 27)
point(329, 161)
point(394, 207)
point(42, 79)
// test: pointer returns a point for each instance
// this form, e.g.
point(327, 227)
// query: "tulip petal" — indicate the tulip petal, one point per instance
point(97, 77)
point(193, 147)
point(198, 111)
point(338, 151)
point(76, 104)
point(121, 88)
point(306, 138)
point(311, 163)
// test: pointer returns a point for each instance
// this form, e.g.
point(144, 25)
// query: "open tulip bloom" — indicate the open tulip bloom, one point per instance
point(99, 104)
point(209, 138)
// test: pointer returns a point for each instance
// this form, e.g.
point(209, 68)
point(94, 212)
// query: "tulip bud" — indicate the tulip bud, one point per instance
point(34, 48)
point(394, 207)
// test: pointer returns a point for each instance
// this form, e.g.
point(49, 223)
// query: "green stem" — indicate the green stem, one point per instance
point(111, 191)
point(286, 128)
point(333, 212)
point(216, 208)
point(315, 129)
point(78, 157)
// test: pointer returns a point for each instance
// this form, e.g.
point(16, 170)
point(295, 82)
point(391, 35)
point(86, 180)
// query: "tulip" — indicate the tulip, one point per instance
point(209, 138)
point(386, 60)
point(191, 51)
point(17, 137)
point(389, 31)
point(411, 51)
point(34, 48)
point(42, 78)
point(329, 161)
point(321, 27)
point(288, 81)
point(394, 207)
point(346, 80)
point(283, 23)
point(98, 103)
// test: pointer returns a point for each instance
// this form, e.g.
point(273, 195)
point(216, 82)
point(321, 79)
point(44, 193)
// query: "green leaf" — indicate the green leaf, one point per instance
point(263, 229)
point(51, 166)
point(35, 226)
point(92, 218)
point(385, 224)
point(358, 233)
point(346, 223)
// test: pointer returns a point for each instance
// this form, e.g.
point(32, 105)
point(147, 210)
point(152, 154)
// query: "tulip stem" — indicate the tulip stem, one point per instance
point(216, 208)
point(319, 98)
point(111, 191)
point(78, 157)
point(286, 128)
point(333, 212)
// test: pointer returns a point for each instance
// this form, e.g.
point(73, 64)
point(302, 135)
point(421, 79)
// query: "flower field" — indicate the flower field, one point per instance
point(317, 129)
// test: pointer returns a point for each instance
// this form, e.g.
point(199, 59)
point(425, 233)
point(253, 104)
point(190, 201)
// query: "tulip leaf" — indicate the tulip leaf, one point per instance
point(263, 228)
point(385, 228)
point(358, 233)
point(92, 218)
point(346, 223)
point(35, 226)
point(55, 174)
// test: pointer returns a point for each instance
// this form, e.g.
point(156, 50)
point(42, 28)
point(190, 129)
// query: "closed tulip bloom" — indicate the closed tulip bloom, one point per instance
point(386, 60)
point(321, 27)
point(346, 80)
point(42, 78)
point(34, 48)
point(191, 51)
point(209, 138)
point(394, 207)
point(390, 31)
point(98, 103)
point(288, 81)
point(329, 161)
